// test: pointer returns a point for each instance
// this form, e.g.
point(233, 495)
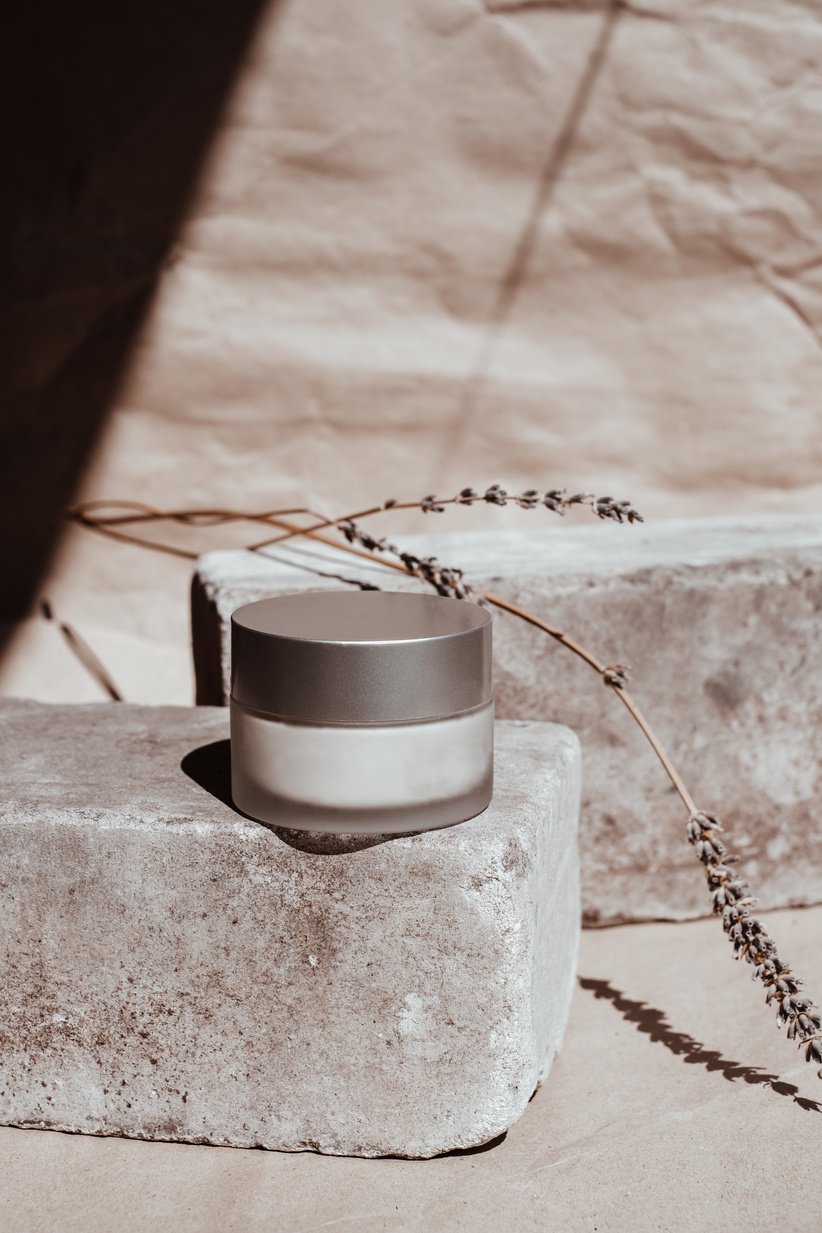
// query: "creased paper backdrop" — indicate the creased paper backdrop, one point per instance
point(448, 242)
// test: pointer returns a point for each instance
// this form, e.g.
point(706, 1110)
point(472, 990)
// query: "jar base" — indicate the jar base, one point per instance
point(263, 806)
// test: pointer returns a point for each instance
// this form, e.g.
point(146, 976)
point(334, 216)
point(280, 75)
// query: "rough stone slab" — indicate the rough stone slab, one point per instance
point(669, 1044)
point(174, 970)
point(720, 620)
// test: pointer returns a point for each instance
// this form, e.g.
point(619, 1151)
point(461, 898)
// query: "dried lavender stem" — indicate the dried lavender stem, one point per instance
point(141, 512)
point(670, 769)
point(146, 513)
point(749, 937)
point(554, 499)
point(624, 697)
point(332, 522)
point(81, 649)
point(105, 526)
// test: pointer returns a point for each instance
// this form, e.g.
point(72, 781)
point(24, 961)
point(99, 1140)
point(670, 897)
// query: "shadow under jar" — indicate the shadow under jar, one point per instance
point(361, 712)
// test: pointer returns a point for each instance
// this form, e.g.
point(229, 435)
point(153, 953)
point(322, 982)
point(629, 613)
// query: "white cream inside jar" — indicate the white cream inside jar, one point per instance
point(361, 711)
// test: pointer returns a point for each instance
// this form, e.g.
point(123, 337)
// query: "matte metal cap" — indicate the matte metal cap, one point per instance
point(361, 657)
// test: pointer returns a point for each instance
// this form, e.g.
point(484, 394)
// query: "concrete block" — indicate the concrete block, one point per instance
point(719, 619)
point(173, 970)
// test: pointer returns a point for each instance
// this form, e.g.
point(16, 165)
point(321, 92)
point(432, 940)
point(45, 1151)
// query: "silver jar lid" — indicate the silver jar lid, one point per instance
point(361, 657)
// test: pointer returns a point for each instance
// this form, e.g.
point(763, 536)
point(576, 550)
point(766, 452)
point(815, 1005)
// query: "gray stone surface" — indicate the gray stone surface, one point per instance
point(720, 620)
point(173, 970)
point(675, 1106)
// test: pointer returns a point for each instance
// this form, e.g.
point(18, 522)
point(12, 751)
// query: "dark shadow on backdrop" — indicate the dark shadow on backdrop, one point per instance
point(106, 113)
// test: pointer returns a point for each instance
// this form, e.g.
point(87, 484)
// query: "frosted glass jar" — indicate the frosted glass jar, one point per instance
point(364, 711)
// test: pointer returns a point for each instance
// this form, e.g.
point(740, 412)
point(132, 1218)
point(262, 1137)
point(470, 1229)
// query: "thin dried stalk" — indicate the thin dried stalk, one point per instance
point(750, 938)
point(83, 652)
point(729, 897)
point(555, 499)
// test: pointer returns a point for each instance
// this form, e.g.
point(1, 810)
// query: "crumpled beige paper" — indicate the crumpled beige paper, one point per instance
point(451, 243)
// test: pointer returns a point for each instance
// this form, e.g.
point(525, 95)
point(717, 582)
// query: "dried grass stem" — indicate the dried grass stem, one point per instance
point(729, 895)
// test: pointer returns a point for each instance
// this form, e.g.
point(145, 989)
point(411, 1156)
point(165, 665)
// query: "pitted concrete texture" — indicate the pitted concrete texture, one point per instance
point(719, 619)
point(675, 1106)
point(173, 970)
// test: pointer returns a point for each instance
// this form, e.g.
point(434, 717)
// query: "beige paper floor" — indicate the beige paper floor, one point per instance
point(675, 1106)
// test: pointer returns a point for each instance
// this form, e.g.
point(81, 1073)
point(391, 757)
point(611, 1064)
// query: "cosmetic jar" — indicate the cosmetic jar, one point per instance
point(361, 712)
